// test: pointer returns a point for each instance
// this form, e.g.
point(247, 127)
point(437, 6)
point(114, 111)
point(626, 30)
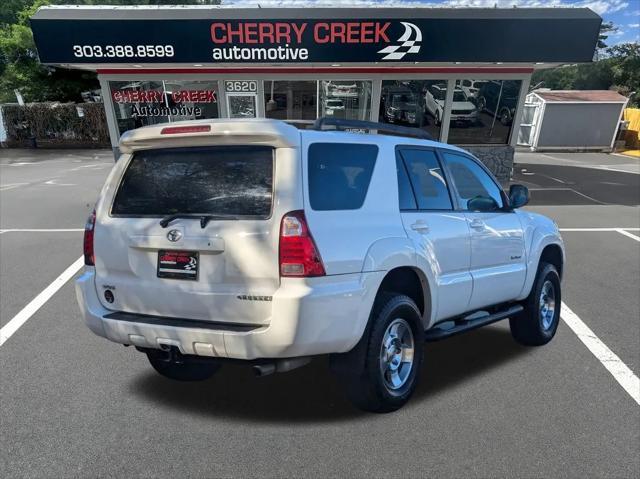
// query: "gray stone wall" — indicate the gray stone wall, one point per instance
point(498, 158)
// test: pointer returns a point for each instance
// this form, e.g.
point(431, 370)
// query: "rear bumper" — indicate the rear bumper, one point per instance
point(309, 317)
point(464, 118)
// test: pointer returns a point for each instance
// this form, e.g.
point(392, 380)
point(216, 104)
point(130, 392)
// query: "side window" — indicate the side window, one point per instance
point(405, 194)
point(471, 180)
point(339, 175)
point(427, 179)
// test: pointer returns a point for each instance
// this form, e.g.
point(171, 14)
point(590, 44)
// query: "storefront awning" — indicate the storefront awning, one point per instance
point(116, 37)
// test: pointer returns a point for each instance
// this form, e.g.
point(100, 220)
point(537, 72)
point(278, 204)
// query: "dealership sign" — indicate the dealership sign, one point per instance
point(164, 103)
point(260, 38)
point(317, 40)
point(150, 96)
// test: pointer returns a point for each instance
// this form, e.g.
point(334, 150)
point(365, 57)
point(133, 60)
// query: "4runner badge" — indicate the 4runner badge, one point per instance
point(174, 235)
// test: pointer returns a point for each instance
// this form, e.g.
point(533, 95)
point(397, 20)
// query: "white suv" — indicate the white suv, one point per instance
point(252, 240)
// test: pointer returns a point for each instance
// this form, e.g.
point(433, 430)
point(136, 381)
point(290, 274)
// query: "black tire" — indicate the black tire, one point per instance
point(505, 117)
point(360, 370)
point(533, 327)
point(183, 369)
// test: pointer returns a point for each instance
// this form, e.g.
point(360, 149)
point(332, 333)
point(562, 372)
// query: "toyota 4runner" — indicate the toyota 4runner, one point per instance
point(252, 240)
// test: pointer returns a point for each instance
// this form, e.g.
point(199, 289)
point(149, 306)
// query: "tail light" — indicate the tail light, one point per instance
point(299, 256)
point(89, 258)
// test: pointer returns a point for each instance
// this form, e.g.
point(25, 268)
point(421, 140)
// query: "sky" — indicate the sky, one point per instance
point(625, 14)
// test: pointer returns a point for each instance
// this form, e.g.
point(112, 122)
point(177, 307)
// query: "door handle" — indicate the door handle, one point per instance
point(420, 227)
point(477, 224)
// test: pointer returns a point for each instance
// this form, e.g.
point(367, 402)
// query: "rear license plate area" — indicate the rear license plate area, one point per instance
point(174, 264)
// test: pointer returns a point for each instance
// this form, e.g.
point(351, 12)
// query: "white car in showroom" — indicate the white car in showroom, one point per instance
point(462, 109)
point(470, 87)
point(251, 241)
point(333, 105)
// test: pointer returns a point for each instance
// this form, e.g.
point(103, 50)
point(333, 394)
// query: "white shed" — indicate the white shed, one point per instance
point(571, 119)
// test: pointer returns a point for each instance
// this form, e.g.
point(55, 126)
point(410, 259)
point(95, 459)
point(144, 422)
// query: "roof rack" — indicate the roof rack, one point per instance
point(342, 124)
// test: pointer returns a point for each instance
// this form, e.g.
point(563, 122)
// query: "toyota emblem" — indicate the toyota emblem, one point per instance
point(174, 235)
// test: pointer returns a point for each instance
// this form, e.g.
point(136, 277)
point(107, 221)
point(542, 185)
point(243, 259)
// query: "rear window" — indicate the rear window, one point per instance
point(339, 175)
point(225, 180)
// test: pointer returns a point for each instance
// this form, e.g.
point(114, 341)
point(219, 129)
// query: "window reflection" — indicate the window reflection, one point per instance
point(483, 111)
point(308, 100)
point(417, 103)
point(290, 100)
point(349, 100)
point(141, 103)
point(242, 106)
point(471, 180)
point(427, 179)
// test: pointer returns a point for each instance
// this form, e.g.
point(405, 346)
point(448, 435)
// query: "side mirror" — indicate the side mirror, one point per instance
point(518, 196)
point(482, 204)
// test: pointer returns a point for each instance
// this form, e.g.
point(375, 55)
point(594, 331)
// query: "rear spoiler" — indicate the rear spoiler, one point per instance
point(254, 131)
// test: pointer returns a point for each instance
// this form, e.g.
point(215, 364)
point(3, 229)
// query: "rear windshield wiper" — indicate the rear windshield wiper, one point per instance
point(204, 219)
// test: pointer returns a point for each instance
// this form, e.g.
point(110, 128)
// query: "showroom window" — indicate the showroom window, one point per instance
point(308, 100)
point(483, 110)
point(140, 103)
point(290, 100)
point(417, 103)
point(345, 99)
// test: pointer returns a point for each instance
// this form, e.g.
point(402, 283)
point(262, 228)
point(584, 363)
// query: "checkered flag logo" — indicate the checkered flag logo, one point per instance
point(397, 52)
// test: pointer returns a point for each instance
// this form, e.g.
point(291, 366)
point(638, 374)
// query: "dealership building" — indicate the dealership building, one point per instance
point(460, 74)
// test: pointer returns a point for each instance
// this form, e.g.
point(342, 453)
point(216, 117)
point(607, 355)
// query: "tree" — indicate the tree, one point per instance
point(625, 59)
point(20, 68)
point(605, 29)
point(19, 65)
point(618, 70)
point(9, 10)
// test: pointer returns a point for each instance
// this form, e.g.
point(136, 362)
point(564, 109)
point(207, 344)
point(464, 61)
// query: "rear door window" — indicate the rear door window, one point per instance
point(339, 175)
point(405, 193)
point(218, 180)
point(427, 178)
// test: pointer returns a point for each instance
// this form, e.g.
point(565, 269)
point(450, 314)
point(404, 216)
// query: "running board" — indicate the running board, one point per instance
point(462, 326)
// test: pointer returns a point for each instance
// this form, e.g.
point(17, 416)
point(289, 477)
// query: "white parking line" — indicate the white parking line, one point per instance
point(622, 231)
point(627, 234)
point(619, 370)
point(570, 189)
point(36, 303)
point(633, 171)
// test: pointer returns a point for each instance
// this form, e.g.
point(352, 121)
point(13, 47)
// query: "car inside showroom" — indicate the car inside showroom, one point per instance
point(460, 74)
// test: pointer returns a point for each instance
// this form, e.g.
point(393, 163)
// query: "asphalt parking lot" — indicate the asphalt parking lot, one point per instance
point(75, 405)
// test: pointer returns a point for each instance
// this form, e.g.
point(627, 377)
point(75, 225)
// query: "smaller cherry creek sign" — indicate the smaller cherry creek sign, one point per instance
point(161, 103)
point(542, 38)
